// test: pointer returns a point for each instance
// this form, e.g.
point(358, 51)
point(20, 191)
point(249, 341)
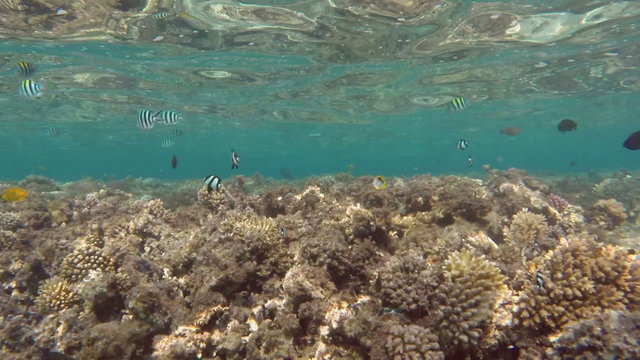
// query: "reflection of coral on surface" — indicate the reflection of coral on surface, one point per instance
point(426, 269)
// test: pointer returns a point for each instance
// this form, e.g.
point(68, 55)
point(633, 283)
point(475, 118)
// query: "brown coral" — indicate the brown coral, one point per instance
point(56, 294)
point(575, 281)
point(405, 284)
point(77, 265)
point(608, 213)
point(466, 300)
point(407, 342)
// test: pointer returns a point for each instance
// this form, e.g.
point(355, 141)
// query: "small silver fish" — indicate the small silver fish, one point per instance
point(470, 161)
point(235, 159)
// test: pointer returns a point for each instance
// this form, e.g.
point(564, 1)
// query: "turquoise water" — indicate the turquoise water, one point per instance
point(290, 103)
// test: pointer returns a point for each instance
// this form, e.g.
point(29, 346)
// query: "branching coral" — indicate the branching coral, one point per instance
point(407, 342)
point(526, 236)
point(56, 294)
point(82, 261)
point(608, 213)
point(466, 300)
point(577, 280)
point(610, 335)
point(405, 284)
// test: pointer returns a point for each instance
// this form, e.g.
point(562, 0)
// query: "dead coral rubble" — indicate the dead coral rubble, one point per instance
point(429, 268)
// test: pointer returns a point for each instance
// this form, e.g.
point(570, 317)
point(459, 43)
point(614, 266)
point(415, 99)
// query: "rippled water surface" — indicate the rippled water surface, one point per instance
point(317, 86)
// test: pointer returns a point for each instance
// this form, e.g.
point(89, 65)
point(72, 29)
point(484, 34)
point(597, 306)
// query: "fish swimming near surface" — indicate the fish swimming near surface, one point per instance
point(25, 68)
point(14, 194)
point(633, 141)
point(167, 117)
point(458, 104)
point(53, 131)
point(174, 161)
point(30, 88)
point(167, 143)
point(146, 120)
point(462, 144)
point(567, 125)
point(511, 131)
point(235, 159)
point(213, 182)
point(379, 183)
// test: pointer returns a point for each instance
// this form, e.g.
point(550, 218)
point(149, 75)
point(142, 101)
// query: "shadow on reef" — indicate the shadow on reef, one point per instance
point(429, 268)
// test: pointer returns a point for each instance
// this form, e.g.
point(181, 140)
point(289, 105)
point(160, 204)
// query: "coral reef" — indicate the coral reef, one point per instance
point(329, 268)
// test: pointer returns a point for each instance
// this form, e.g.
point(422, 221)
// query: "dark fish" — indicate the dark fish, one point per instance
point(213, 182)
point(146, 120)
point(511, 131)
point(567, 125)
point(174, 162)
point(30, 88)
point(462, 144)
point(235, 159)
point(458, 104)
point(25, 68)
point(286, 174)
point(573, 163)
point(633, 141)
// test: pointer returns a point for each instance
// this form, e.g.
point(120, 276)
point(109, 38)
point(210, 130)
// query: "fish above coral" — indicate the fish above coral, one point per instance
point(25, 68)
point(213, 182)
point(235, 159)
point(458, 104)
point(511, 131)
point(14, 194)
point(633, 141)
point(379, 183)
point(567, 125)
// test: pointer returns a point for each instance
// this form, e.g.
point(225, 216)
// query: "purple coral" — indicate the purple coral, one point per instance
point(557, 202)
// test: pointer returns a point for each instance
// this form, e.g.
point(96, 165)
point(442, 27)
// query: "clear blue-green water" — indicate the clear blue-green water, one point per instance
point(321, 99)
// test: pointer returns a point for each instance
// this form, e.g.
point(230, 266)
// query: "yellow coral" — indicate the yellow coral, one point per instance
point(576, 280)
point(467, 299)
point(56, 294)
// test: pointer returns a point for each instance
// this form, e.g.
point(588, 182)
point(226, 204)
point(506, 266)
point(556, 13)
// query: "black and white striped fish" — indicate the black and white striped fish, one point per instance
point(213, 182)
point(235, 159)
point(462, 144)
point(146, 120)
point(53, 131)
point(458, 104)
point(167, 143)
point(168, 117)
point(177, 132)
point(161, 14)
point(25, 68)
point(30, 88)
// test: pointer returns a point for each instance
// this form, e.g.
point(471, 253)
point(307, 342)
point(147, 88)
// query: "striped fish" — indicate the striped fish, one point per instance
point(25, 68)
point(53, 131)
point(30, 88)
point(161, 14)
point(458, 104)
point(168, 117)
point(146, 120)
point(462, 144)
point(177, 132)
point(167, 143)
